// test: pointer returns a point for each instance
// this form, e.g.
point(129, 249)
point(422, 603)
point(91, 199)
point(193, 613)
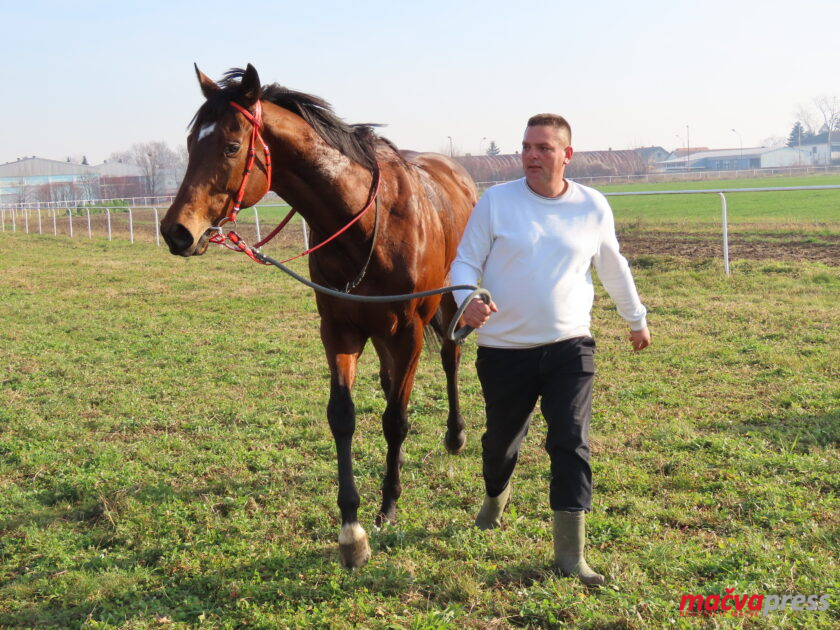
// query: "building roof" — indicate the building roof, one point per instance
point(485, 168)
point(746, 152)
point(40, 167)
point(682, 150)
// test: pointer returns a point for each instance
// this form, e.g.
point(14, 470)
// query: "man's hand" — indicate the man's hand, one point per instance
point(477, 313)
point(640, 339)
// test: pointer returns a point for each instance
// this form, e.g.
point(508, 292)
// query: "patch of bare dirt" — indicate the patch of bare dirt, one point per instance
point(761, 246)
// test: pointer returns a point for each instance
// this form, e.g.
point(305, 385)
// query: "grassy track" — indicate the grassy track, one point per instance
point(165, 461)
point(807, 211)
point(804, 211)
point(718, 184)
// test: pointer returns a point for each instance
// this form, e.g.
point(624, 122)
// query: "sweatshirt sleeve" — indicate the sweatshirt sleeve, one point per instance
point(614, 272)
point(473, 250)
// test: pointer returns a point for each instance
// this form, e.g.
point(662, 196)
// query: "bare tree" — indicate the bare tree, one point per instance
point(24, 193)
point(89, 187)
point(774, 142)
point(808, 120)
point(829, 109)
point(156, 159)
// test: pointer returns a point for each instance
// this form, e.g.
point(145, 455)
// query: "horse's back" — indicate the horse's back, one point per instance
point(446, 172)
point(453, 191)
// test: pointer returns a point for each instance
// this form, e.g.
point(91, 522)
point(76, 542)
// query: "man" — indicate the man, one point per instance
point(531, 243)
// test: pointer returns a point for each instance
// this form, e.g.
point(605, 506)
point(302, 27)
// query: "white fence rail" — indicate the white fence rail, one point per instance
point(147, 218)
point(121, 221)
point(722, 192)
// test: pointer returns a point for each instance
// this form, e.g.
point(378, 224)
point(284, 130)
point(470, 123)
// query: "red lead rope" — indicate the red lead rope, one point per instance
point(342, 230)
point(220, 238)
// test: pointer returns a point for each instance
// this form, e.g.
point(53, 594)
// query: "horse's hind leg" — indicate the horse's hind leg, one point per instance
point(385, 366)
point(403, 354)
point(353, 546)
point(450, 354)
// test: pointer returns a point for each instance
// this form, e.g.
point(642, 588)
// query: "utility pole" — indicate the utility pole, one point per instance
point(741, 151)
point(799, 153)
point(687, 150)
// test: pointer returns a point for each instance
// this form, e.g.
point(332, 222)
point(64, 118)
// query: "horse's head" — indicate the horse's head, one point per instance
point(217, 179)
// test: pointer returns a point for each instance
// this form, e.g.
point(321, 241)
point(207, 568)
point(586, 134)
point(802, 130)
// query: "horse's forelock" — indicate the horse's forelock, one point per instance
point(219, 103)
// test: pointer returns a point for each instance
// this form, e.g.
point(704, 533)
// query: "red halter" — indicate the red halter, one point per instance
point(255, 119)
point(220, 238)
point(256, 124)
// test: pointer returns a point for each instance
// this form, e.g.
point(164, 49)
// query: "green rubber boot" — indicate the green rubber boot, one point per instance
point(569, 540)
point(490, 514)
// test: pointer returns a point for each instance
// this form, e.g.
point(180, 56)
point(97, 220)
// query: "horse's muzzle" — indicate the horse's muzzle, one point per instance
point(179, 239)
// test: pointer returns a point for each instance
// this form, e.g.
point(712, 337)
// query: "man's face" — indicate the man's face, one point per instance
point(545, 153)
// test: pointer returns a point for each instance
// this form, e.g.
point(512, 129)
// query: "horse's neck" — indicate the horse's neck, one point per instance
point(322, 184)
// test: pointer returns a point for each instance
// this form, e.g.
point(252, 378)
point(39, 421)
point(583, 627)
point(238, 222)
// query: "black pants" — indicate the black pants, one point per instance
point(512, 380)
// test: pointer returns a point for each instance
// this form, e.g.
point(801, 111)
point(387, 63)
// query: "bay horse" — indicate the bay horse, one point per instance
point(330, 171)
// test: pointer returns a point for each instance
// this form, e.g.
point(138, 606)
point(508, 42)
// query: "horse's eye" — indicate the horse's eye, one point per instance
point(231, 149)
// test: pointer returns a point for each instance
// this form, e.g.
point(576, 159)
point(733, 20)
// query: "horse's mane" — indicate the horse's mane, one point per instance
point(357, 142)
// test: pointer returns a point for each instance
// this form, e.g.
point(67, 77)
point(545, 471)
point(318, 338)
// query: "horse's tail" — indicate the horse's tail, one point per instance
point(434, 331)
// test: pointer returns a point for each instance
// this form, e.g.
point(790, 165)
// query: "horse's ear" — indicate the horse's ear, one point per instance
point(208, 85)
point(251, 87)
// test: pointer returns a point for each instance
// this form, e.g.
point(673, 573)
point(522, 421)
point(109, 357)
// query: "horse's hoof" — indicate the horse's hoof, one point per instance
point(386, 517)
point(456, 445)
point(353, 547)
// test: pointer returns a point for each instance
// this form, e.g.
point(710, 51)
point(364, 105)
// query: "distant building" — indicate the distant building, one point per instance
point(37, 179)
point(750, 158)
point(485, 168)
point(720, 160)
point(652, 155)
point(810, 154)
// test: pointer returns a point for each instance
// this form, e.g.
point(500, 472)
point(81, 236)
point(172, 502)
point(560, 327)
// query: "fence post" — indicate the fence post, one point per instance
point(257, 222)
point(157, 228)
point(108, 221)
point(70, 220)
point(39, 218)
point(130, 225)
point(305, 235)
point(55, 221)
point(3, 218)
point(14, 223)
point(87, 209)
point(725, 234)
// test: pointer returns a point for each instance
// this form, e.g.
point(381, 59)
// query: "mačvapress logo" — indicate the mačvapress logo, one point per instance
point(748, 605)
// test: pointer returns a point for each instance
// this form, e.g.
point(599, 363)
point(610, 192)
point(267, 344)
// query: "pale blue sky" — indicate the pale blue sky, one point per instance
point(89, 77)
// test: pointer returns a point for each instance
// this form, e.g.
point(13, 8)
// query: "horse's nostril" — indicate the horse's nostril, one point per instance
point(178, 238)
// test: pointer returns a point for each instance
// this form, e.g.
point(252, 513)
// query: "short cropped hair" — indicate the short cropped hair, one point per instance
point(552, 120)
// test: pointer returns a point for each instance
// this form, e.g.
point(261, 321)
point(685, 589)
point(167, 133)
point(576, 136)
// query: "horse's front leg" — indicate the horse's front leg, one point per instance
point(403, 353)
point(353, 547)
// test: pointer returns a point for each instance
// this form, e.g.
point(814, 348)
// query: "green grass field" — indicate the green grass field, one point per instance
point(727, 184)
point(165, 460)
point(808, 211)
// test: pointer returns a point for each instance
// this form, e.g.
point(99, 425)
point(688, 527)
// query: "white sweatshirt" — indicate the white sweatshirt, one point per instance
point(534, 255)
